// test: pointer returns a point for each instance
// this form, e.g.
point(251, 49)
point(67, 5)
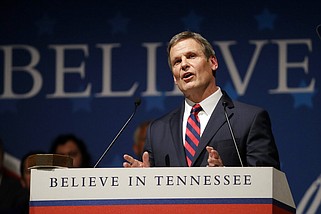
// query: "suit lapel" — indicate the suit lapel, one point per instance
point(176, 132)
point(215, 122)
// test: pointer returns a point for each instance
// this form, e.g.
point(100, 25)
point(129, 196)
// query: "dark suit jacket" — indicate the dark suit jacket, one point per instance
point(13, 198)
point(252, 130)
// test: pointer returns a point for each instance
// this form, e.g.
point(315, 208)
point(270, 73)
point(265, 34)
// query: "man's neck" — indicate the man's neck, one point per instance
point(198, 97)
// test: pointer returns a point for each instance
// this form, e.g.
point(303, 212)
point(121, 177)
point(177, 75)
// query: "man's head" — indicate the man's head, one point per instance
point(25, 171)
point(193, 64)
point(140, 138)
point(206, 46)
point(69, 144)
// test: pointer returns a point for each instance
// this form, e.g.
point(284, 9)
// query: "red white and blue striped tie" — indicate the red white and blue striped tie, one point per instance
point(192, 137)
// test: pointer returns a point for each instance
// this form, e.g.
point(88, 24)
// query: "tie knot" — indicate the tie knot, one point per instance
point(196, 108)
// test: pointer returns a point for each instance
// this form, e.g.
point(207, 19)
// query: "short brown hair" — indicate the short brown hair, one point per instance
point(207, 47)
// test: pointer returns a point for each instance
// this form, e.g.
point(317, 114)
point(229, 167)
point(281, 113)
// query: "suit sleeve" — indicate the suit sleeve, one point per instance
point(261, 149)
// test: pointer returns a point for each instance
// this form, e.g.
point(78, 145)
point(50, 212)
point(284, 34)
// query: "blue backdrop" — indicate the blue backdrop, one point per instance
point(77, 67)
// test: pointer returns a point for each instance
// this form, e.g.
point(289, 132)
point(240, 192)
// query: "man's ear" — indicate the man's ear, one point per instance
point(174, 80)
point(214, 63)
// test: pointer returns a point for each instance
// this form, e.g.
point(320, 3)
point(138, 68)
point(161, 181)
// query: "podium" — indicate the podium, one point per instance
point(160, 190)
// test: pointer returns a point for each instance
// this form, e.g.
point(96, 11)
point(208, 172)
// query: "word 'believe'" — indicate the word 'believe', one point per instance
point(80, 54)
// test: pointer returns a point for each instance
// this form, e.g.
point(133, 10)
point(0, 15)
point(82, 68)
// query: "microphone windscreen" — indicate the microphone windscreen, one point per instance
point(138, 101)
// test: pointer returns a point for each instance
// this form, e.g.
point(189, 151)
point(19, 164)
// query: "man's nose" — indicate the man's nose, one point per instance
point(184, 63)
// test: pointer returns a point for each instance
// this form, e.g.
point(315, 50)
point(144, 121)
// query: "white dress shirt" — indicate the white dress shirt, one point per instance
point(208, 105)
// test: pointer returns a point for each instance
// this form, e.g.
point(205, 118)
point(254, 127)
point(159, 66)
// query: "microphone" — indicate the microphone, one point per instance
point(318, 30)
point(225, 104)
point(137, 103)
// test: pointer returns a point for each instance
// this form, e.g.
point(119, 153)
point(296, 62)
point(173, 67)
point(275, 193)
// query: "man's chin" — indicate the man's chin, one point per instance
point(187, 88)
point(190, 86)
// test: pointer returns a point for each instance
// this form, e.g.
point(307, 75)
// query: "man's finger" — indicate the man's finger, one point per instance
point(126, 165)
point(212, 152)
point(215, 154)
point(146, 159)
point(209, 149)
point(129, 158)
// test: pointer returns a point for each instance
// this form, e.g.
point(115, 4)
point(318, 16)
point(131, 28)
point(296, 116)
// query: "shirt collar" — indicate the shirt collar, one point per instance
point(208, 104)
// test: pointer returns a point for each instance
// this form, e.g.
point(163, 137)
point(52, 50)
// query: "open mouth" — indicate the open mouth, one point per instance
point(187, 76)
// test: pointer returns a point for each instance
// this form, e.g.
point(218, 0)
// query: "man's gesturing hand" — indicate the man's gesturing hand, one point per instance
point(214, 158)
point(132, 162)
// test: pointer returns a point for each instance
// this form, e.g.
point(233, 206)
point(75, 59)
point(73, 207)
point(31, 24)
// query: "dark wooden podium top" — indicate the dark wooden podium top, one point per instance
point(49, 161)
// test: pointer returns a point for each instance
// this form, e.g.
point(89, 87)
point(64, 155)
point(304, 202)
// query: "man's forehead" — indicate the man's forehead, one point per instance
point(186, 45)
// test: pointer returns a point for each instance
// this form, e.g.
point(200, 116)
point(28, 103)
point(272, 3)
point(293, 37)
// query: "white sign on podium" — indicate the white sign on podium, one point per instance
point(160, 190)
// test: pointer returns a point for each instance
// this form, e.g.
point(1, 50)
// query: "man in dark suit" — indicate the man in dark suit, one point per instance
point(197, 133)
point(13, 198)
